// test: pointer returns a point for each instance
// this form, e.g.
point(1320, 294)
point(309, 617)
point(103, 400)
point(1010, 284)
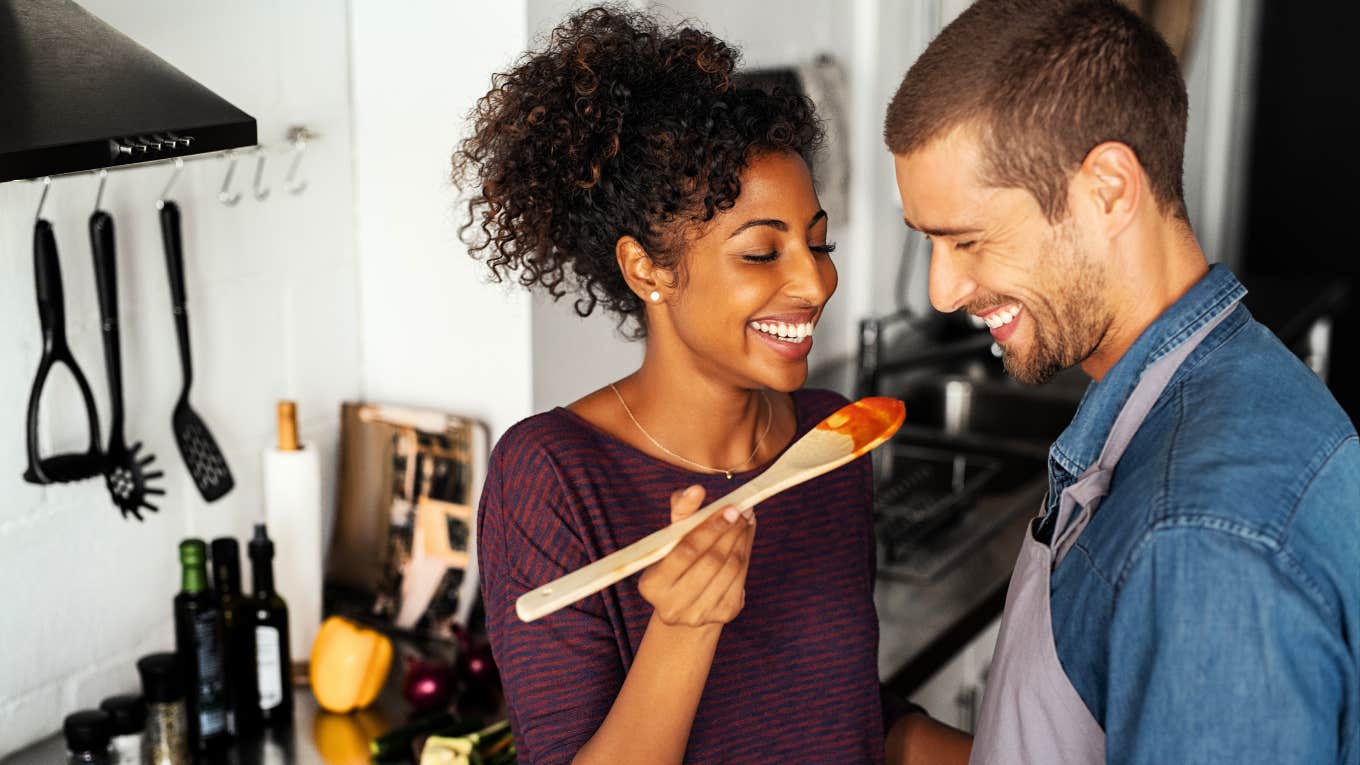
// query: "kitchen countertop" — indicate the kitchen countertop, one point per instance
point(293, 745)
point(301, 743)
point(922, 624)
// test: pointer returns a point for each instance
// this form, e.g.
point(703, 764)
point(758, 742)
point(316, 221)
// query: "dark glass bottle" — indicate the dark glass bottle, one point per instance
point(198, 641)
point(238, 636)
point(271, 634)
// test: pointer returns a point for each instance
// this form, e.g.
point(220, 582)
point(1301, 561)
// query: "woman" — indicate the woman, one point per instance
point(622, 162)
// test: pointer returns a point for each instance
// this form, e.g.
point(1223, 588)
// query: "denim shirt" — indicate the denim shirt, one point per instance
point(1210, 612)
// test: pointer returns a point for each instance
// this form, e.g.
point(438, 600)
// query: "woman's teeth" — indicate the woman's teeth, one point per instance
point(790, 332)
point(1004, 316)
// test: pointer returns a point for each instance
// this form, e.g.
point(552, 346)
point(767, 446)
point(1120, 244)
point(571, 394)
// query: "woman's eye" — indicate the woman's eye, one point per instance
point(765, 258)
point(825, 249)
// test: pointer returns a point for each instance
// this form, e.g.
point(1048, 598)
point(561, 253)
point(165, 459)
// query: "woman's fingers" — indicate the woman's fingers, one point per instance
point(724, 595)
point(714, 582)
point(686, 501)
point(694, 546)
point(702, 580)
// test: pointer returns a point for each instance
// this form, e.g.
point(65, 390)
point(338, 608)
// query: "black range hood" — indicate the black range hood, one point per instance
point(77, 94)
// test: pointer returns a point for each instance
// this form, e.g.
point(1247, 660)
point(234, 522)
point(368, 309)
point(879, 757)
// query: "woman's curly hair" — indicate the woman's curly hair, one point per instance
point(618, 127)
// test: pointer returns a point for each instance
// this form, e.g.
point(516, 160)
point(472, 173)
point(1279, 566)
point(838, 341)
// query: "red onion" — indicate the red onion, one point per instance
point(429, 684)
point(478, 667)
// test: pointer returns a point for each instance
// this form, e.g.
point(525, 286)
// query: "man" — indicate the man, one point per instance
point(1191, 593)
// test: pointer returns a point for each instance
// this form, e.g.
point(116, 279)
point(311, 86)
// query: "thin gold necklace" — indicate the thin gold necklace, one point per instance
point(769, 420)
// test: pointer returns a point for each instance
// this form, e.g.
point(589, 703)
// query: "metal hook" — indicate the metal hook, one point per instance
point(47, 184)
point(174, 176)
point(99, 195)
point(261, 193)
point(298, 137)
point(225, 195)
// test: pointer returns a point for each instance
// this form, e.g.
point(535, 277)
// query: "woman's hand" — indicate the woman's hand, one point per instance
point(703, 580)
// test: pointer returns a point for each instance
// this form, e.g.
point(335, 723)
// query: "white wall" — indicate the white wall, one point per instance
point(272, 292)
point(434, 333)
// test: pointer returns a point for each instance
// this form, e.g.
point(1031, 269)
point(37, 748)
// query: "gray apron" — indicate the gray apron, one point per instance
point(1030, 711)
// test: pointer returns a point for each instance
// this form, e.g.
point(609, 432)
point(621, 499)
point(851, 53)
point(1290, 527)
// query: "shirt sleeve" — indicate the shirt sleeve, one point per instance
point(562, 672)
point(1220, 653)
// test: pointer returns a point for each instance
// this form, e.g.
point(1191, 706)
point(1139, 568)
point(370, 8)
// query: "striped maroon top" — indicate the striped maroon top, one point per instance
point(795, 674)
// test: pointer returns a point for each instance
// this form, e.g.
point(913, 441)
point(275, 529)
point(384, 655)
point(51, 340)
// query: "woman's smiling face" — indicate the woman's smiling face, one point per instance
point(755, 280)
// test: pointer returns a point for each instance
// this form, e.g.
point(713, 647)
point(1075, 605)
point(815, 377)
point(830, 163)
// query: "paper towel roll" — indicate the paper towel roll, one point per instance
point(292, 507)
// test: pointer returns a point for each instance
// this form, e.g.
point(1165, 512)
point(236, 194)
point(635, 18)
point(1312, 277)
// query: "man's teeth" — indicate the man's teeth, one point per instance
point(1004, 316)
point(794, 332)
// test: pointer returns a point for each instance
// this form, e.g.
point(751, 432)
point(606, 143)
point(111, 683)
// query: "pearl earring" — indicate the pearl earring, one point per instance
point(655, 296)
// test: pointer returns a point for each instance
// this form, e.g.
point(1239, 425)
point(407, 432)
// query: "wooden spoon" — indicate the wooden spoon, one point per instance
point(849, 432)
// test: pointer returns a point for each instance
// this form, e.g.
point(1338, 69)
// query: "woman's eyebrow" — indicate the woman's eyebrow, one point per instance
point(774, 223)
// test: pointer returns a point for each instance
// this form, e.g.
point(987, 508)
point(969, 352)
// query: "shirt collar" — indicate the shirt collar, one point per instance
point(1080, 444)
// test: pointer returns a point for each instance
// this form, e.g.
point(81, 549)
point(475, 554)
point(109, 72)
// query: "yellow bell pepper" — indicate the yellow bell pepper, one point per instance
point(349, 665)
point(344, 739)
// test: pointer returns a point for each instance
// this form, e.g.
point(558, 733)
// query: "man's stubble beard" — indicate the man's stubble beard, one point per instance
point(1067, 315)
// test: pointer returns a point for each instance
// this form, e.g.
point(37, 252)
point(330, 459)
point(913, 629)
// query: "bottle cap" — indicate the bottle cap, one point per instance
point(225, 549)
point(162, 678)
point(261, 544)
point(128, 714)
point(87, 731)
point(192, 552)
point(226, 560)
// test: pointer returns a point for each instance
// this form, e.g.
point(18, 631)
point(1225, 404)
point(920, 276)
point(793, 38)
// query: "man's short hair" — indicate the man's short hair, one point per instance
point(1044, 82)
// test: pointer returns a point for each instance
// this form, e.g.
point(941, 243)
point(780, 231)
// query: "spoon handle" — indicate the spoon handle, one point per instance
point(629, 560)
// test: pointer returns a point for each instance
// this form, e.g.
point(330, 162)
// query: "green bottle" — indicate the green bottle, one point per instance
point(198, 641)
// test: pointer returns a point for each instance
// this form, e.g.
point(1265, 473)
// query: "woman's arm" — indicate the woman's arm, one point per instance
point(916, 739)
point(694, 590)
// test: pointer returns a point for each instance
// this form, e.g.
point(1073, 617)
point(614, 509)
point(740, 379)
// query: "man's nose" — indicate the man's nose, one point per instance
point(950, 284)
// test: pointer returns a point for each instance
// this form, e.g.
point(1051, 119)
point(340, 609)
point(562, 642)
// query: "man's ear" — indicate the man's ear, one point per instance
point(1113, 183)
point(650, 282)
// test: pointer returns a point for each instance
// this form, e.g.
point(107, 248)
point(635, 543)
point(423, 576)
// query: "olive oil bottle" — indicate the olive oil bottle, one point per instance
point(198, 641)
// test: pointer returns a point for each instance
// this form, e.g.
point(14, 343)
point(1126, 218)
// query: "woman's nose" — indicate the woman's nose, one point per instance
point(807, 280)
point(950, 284)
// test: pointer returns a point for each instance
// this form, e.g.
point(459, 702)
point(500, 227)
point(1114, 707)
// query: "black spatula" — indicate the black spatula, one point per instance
point(196, 444)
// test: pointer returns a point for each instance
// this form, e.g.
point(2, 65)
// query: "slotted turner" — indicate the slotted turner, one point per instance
point(196, 444)
point(849, 432)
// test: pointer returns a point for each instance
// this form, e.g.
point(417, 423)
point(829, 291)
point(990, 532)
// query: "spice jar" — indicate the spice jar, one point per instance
point(128, 717)
point(165, 738)
point(87, 737)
